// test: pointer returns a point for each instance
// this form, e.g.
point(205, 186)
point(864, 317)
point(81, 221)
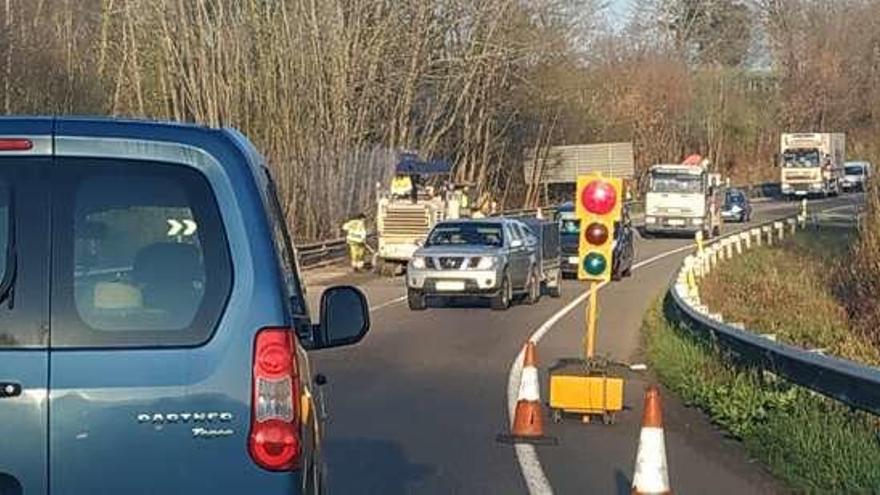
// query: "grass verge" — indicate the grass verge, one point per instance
point(811, 443)
point(792, 290)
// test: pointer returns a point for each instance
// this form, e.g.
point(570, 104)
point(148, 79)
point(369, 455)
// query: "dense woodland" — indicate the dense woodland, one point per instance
point(332, 90)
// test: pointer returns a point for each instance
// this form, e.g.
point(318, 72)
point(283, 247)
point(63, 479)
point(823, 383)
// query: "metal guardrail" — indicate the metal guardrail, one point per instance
point(317, 254)
point(851, 383)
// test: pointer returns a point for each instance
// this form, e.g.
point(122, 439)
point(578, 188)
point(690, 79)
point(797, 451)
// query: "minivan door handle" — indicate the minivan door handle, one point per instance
point(9, 389)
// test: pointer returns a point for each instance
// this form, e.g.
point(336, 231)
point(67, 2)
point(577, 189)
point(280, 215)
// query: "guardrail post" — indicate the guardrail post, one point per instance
point(781, 228)
point(747, 239)
point(707, 265)
point(792, 222)
point(738, 242)
point(730, 243)
point(698, 237)
point(804, 207)
point(757, 233)
point(690, 278)
point(769, 231)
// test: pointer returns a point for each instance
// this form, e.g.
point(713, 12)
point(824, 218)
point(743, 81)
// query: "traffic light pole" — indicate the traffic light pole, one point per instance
point(592, 308)
point(586, 387)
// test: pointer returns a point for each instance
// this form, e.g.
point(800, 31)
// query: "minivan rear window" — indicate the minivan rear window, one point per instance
point(141, 256)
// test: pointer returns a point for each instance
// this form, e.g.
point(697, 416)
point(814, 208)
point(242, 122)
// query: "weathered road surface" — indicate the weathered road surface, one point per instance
point(416, 407)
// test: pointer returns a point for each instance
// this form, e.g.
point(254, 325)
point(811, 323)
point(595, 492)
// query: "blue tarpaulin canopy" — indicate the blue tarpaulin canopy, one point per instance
point(411, 165)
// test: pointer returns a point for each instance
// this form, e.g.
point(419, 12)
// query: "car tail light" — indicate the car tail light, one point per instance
point(15, 144)
point(274, 440)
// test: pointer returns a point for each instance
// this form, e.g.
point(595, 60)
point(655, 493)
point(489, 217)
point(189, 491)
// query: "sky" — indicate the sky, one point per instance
point(619, 10)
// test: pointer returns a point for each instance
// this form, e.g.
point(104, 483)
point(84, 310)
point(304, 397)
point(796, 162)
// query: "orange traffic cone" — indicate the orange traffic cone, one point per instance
point(652, 473)
point(528, 418)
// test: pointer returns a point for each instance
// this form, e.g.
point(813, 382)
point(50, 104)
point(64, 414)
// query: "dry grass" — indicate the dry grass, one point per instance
point(793, 291)
point(859, 280)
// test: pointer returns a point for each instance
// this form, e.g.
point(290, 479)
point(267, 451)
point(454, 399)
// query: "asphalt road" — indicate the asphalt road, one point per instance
point(416, 407)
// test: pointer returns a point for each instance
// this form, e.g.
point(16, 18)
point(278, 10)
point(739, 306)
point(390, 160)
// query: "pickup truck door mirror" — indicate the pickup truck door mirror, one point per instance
point(345, 318)
point(516, 244)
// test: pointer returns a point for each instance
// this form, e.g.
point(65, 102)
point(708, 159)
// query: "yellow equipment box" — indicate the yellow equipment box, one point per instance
point(576, 389)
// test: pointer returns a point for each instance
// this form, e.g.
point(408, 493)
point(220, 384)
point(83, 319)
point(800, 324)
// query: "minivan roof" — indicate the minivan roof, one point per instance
point(128, 128)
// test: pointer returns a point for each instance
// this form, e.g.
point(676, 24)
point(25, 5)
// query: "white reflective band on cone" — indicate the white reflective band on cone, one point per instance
point(528, 385)
point(651, 474)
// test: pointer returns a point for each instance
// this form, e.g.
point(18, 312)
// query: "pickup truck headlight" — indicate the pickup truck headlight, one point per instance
point(483, 262)
point(650, 220)
point(418, 262)
point(697, 221)
point(736, 208)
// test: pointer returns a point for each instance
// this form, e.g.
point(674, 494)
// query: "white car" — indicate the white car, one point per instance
point(855, 176)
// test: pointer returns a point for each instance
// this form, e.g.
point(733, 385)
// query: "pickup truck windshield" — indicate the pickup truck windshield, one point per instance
point(800, 159)
point(854, 170)
point(676, 183)
point(481, 234)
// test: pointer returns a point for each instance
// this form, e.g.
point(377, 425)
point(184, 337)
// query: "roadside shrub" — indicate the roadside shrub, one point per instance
point(859, 281)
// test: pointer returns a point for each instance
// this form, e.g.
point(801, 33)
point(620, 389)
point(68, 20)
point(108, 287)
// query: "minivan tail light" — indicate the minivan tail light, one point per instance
point(274, 439)
point(16, 144)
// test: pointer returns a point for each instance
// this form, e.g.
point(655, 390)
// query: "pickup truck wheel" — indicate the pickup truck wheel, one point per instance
point(501, 301)
point(533, 294)
point(416, 300)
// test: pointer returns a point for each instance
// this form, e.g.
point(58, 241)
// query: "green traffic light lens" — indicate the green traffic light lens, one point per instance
point(595, 264)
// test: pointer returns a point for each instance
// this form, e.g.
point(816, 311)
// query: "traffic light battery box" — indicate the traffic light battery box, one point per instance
point(577, 389)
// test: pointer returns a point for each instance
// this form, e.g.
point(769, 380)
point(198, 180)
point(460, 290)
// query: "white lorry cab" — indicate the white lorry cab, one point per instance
point(683, 198)
point(812, 164)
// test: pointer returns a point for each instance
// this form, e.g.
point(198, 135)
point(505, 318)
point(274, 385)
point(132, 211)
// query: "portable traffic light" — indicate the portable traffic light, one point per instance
point(598, 202)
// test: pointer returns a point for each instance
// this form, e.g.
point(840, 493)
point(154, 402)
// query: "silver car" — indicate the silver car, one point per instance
point(495, 258)
point(855, 176)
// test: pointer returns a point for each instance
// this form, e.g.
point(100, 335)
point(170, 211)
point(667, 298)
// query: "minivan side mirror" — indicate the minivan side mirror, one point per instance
point(345, 318)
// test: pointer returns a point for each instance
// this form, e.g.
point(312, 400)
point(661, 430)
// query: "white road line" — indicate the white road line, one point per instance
point(529, 463)
point(526, 455)
point(387, 303)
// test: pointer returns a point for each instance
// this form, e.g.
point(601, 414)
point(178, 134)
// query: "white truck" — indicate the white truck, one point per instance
point(683, 198)
point(812, 163)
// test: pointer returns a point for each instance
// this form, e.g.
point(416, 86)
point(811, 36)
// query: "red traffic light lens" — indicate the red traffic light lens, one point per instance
point(596, 234)
point(599, 197)
point(595, 264)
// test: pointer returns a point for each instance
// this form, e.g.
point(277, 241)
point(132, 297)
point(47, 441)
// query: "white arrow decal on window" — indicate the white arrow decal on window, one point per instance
point(190, 227)
point(175, 227)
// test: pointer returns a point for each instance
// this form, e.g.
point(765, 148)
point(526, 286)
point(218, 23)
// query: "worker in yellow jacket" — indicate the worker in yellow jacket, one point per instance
point(356, 238)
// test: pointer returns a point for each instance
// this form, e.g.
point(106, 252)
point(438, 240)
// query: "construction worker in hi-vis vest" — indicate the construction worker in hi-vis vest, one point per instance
point(356, 238)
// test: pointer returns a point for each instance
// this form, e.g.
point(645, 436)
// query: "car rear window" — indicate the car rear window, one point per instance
point(141, 256)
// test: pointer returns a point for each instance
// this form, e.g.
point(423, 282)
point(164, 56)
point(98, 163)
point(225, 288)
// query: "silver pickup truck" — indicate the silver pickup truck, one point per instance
point(497, 258)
